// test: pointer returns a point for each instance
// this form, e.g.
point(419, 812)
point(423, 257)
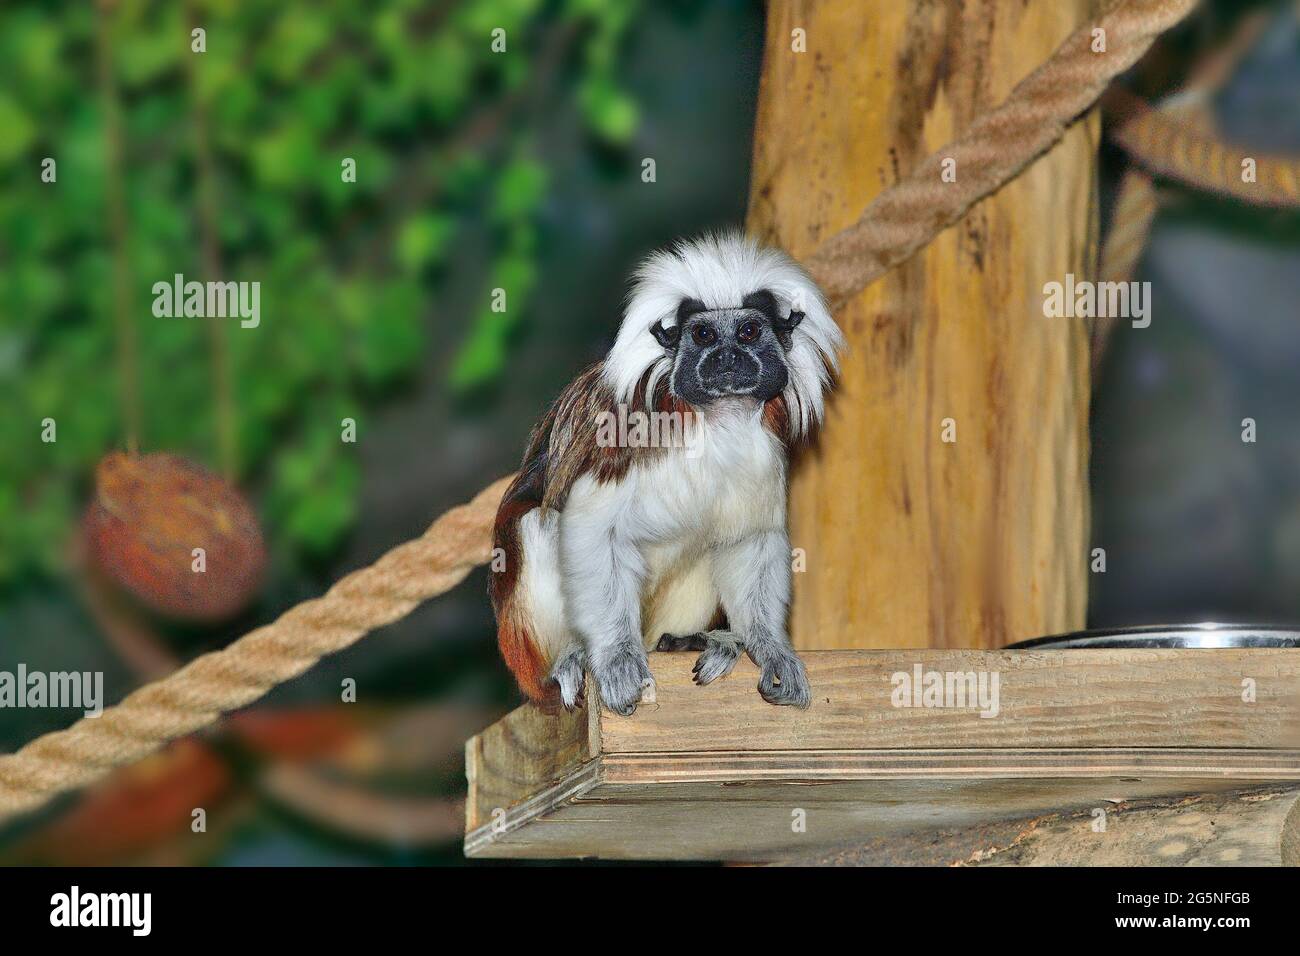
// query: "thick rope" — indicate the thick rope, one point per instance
point(1136, 205)
point(196, 695)
point(900, 221)
point(1198, 158)
point(1137, 200)
point(993, 151)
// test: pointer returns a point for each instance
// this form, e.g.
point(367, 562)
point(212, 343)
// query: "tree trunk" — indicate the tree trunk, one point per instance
point(911, 540)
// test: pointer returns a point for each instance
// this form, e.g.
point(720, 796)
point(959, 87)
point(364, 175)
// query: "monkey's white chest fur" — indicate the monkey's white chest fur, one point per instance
point(663, 523)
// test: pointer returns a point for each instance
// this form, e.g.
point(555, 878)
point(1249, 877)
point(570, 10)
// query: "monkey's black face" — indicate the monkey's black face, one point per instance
point(726, 353)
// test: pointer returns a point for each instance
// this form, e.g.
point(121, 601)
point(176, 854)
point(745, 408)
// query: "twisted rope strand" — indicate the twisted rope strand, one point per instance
point(1138, 200)
point(993, 151)
point(1136, 205)
point(1198, 158)
point(898, 223)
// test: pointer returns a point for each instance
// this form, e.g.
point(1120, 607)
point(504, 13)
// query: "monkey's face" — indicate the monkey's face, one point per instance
point(732, 352)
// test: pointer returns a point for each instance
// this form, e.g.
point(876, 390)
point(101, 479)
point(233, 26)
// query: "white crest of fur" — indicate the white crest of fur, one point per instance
point(720, 270)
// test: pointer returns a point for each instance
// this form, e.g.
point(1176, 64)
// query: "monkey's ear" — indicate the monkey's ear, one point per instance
point(785, 326)
point(667, 337)
point(789, 322)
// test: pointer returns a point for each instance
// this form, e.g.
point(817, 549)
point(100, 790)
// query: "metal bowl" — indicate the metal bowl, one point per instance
point(1171, 635)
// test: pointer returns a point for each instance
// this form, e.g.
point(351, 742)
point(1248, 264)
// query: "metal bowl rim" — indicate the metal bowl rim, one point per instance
point(1173, 631)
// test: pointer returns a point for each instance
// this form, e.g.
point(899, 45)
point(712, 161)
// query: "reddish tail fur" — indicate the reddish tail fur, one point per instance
point(520, 652)
point(515, 638)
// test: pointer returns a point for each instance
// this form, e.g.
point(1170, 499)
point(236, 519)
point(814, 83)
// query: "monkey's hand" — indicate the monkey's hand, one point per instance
point(622, 675)
point(784, 680)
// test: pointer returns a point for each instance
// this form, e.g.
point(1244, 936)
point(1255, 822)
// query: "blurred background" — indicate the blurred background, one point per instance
point(476, 171)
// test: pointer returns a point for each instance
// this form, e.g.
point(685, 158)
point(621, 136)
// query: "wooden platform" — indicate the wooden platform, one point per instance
point(714, 773)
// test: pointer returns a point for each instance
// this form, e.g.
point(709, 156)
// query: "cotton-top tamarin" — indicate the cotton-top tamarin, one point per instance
point(615, 542)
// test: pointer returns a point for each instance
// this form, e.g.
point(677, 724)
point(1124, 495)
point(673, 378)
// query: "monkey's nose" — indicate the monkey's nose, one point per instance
point(728, 359)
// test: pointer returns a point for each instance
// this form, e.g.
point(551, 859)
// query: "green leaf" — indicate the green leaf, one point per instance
point(298, 35)
point(482, 358)
point(610, 113)
point(392, 337)
point(444, 75)
point(142, 58)
point(17, 131)
point(313, 491)
point(286, 157)
point(423, 240)
point(35, 45)
point(519, 190)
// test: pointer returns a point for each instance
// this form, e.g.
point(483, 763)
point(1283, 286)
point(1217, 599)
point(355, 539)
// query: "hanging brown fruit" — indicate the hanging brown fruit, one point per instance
point(175, 536)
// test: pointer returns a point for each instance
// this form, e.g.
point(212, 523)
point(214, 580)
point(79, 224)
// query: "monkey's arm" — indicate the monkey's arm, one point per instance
point(753, 579)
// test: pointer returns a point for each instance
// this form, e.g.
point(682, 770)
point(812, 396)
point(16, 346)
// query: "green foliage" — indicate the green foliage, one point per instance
point(610, 113)
point(19, 130)
point(518, 193)
point(313, 498)
point(484, 354)
point(350, 272)
point(423, 240)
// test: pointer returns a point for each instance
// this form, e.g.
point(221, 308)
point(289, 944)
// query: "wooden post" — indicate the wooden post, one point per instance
point(910, 540)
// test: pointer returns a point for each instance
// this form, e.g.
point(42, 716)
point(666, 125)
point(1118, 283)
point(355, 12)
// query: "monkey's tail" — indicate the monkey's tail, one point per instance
point(524, 656)
point(524, 653)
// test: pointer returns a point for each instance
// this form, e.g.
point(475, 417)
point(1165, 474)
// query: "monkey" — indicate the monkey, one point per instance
point(614, 547)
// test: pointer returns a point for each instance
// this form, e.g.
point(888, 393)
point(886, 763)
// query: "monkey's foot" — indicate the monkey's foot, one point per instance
point(623, 677)
point(784, 680)
point(570, 673)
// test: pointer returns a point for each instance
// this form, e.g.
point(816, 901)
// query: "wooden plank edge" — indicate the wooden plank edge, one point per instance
point(799, 766)
point(571, 787)
point(524, 751)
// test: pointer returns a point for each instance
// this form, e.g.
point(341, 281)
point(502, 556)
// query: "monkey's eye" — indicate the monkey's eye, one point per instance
point(748, 332)
point(704, 335)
